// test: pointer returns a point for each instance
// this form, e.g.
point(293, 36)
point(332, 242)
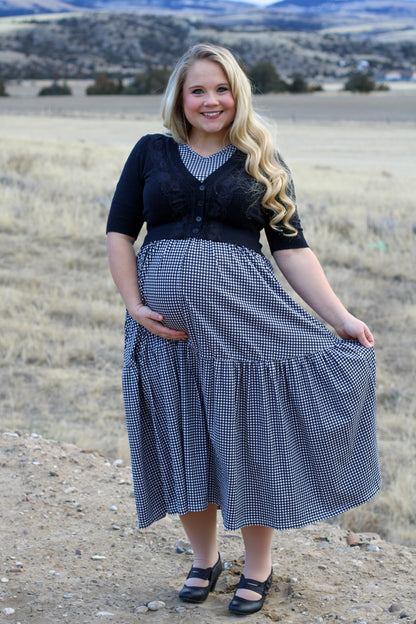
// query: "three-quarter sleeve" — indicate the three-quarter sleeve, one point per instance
point(126, 211)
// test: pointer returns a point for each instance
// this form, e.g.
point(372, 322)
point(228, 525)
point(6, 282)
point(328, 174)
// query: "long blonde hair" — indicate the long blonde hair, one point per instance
point(247, 132)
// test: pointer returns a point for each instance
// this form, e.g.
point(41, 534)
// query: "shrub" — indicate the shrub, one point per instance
point(56, 89)
point(359, 82)
point(266, 79)
point(382, 87)
point(3, 92)
point(152, 81)
point(300, 85)
point(103, 85)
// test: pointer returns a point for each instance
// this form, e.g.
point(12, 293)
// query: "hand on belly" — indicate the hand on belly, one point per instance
point(152, 321)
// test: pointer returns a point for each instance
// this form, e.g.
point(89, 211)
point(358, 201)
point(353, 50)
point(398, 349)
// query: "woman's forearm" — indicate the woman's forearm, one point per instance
point(123, 268)
point(304, 273)
point(122, 259)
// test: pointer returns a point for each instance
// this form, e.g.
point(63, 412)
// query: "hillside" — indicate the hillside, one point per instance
point(71, 552)
point(78, 46)
point(27, 7)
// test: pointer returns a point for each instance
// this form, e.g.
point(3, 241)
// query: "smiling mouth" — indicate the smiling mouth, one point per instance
point(212, 115)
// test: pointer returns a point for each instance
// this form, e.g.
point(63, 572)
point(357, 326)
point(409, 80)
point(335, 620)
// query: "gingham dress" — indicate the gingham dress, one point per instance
point(262, 410)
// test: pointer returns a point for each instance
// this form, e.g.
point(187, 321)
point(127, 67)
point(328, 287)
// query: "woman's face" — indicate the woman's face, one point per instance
point(208, 103)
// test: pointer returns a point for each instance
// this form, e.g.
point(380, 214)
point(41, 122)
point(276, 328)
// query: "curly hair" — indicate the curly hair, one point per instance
point(247, 131)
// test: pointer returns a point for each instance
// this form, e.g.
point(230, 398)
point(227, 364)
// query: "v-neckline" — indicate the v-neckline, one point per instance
point(230, 162)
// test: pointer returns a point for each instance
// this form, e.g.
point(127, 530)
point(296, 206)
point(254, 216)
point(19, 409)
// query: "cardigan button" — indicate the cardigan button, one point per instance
point(199, 219)
point(202, 187)
point(195, 231)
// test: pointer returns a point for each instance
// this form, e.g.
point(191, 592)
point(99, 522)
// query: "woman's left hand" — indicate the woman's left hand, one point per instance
point(354, 329)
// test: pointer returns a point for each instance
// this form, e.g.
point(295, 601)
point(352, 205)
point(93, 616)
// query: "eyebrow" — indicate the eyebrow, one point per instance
point(221, 84)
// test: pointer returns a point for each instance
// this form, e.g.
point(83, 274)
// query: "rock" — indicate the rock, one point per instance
point(8, 611)
point(113, 508)
point(108, 613)
point(395, 607)
point(155, 605)
point(182, 546)
point(98, 557)
point(370, 609)
point(373, 547)
point(67, 446)
point(358, 539)
point(353, 539)
point(4, 580)
point(141, 609)
point(117, 463)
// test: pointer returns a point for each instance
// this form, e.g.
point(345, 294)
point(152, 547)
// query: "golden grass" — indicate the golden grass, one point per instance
point(61, 319)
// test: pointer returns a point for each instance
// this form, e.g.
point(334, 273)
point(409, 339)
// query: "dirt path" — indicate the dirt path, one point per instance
point(70, 552)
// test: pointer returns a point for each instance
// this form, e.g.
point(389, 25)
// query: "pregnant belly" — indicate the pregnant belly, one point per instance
point(172, 277)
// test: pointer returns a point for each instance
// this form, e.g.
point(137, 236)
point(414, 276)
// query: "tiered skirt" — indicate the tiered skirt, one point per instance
point(262, 410)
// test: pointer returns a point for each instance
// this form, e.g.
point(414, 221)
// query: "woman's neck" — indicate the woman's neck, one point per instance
point(208, 144)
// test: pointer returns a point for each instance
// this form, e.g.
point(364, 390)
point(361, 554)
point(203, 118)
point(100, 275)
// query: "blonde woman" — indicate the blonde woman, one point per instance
point(236, 398)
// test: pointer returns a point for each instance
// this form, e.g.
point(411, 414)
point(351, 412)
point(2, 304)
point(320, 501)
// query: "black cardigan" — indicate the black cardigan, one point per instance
point(155, 187)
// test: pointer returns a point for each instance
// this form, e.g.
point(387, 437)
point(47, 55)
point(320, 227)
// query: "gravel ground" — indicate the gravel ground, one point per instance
point(71, 552)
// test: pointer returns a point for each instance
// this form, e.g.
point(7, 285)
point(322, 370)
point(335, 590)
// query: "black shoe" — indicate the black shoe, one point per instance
point(242, 606)
point(199, 594)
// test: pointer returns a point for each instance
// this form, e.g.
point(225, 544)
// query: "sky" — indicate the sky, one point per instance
point(265, 2)
point(260, 2)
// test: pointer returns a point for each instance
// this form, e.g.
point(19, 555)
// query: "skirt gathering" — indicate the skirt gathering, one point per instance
point(262, 410)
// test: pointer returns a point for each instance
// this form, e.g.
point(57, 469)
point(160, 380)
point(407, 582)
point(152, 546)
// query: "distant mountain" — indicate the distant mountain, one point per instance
point(30, 7)
point(123, 44)
point(345, 6)
point(289, 9)
point(322, 39)
point(336, 5)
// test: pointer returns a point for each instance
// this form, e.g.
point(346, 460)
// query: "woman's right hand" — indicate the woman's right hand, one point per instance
point(152, 321)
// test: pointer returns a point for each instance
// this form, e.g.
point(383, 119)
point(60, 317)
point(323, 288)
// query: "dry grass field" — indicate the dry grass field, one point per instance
point(61, 319)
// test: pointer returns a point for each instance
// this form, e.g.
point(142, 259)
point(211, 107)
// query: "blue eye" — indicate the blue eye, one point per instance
point(222, 89)
point(197, 91)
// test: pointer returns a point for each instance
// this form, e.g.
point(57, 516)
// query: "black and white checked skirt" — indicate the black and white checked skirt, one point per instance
point(262, 411)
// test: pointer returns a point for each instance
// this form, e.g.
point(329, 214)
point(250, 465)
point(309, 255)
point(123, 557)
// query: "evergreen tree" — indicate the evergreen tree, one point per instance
point(3, 92)
point(299, 85)
point(56, 89)
point(359, 81)
point(151, 81)
point(266, 79)
point(103, 85)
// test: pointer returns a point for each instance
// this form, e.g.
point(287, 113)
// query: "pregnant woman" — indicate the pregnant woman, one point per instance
point(236, 398)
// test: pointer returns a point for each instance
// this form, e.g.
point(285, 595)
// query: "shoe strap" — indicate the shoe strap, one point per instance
point(201, 573)
point(252, 584)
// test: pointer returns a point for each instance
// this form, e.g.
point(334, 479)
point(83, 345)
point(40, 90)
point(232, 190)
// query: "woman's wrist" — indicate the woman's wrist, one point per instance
point(134, 306)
